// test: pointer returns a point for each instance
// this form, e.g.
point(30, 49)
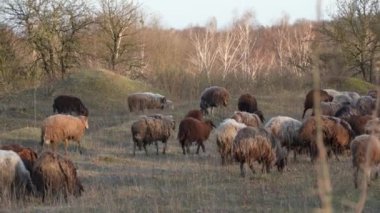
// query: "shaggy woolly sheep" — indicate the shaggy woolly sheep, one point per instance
point(59, 127)
point(146, 100)
point(336, 132)
point(358, 123)
point(285, 129)
point(372, 93)
point(256, 144)
point(213, 97)
point(149, 129)
point(365, 151)
point(331, 108)
point(195, 113)
point(366, 105)
point(27, 155)
point(225, 134)
point(346, 111)
point(192, 130)
point(55, 175)
point(249, 119)
point(14, 177)
point(69, 104)
point(309, 100)
point(247, 103)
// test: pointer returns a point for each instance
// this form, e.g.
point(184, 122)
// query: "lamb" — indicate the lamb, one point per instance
point(150, 129)
point(309, 100)
point(249, 119)
point(195, 113)
point(336, 132)
point(285, 129)
point(225, 134)
point(14, 177)
point(60, 127)
point(69, 104)
point(213, 96)
point(146, 100)
point(55, 175)
point(365, 151)
point(193, 130)
point(256, 144)
point(27, 155)
point(247, 103)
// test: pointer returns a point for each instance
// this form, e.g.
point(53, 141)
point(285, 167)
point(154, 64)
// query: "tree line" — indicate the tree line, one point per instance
point(45, 40)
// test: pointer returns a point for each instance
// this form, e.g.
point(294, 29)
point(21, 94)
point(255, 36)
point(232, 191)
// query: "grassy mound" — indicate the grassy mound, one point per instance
point(350, 84)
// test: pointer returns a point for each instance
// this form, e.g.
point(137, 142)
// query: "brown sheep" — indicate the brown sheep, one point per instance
point(69, 104)
point(249, 119)
point(247, 103)
point(358, 123)
point(195, 113)
point(149, 129)
point(213, 97)
point(256, 144)
point(309, 100)
point(55, 175)
point(192, 130)
point(336, 134)
point(365, 151)
point(27, 155)
point(60, 127)
point(146, 100)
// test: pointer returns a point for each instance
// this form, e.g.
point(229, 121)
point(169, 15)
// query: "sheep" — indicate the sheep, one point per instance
point(256, 144)
point(336, 132)
point(343, 97)
point(247, 103)
point(366, 105)
point(146, 100)
point(285, 129)
point(195, 113)
point(309, 100)
point(69, 104)
point(358, 123)
point(365, 151)
point(55, 175)
point(372, 93)
point(330, 108)
point(60, 127)
point(346, 111)
point(249, 119)
point(225, 134)
point(27, 155)
point(150, 129)
point(213, 96)
point(192, 130)
point(14, 177)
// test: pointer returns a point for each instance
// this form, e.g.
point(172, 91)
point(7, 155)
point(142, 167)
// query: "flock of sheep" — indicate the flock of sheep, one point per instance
point(245, 137)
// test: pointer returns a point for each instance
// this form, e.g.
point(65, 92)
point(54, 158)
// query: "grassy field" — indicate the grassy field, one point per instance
point(117, 181)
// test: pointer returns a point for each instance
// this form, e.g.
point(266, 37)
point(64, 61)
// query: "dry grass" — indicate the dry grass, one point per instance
point(115, 181)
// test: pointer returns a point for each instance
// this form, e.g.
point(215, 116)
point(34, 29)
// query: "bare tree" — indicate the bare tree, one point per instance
point(51, 28)
point(352, 29)
point(120, 21)
point(205, 53)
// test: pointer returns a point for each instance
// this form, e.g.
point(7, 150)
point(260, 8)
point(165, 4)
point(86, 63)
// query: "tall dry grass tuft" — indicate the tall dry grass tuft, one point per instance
point(322, 169)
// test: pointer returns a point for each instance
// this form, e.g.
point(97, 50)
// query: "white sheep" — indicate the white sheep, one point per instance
point(14, 177)
point(249, 119)
point(285, 129)
point(225, 134)
point(61, 127)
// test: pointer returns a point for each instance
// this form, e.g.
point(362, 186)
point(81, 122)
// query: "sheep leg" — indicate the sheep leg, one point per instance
point(134, 148)
point(165, 145)
point(242, 170)
point(250, 164)
point(203, 146)
point(199, 146)
point(80, 147)
point(188, 148)
point(356, 173)
point(156, 147)
point(146, 151)
point(183, 148)
point(223, 160)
